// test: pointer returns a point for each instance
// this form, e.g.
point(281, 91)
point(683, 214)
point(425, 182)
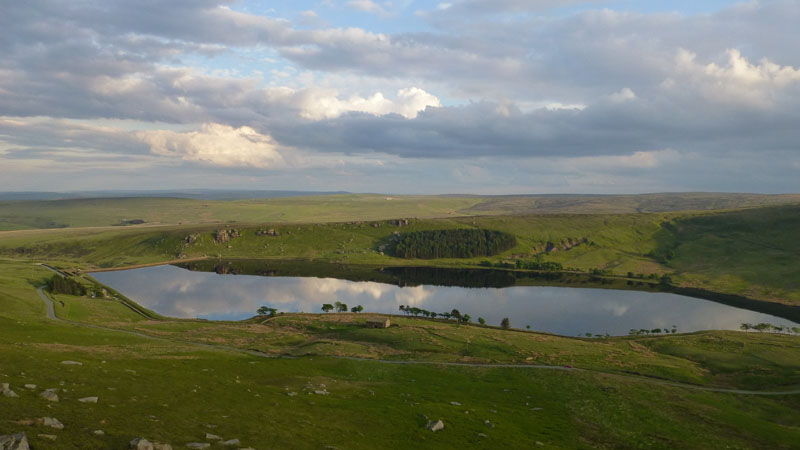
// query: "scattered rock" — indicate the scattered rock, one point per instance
point(14, 442)
point(539, 444)
point(198, 445)
point(291, 394)
point(488, 423)
point(213, 437)
point(72, 363)
point(51, 437)
point(160, 446)
point(9, 393)
point(455, 403)
point(140, 443)
point(30, 386)
point(98, 433)
point(435, 425)
point(230, 442)
point(88, 400)
point(49, 394)
point(483, 435)
point(52, 423)
point(322, 392)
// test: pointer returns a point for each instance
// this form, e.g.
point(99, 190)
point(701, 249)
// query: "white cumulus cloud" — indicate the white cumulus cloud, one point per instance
point(319, 104)
point(217, 144)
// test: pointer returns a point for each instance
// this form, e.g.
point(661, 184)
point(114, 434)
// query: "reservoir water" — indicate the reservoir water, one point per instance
point(226, 292)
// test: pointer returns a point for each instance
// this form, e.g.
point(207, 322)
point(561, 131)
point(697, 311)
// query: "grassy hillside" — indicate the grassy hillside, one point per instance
point(751, 252)
point(120, 211)
point(625, 204)
point(88, 212)
point(171, 390)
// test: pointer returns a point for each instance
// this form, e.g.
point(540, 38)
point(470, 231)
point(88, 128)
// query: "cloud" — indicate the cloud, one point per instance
point(218, 145)
point(318, 104)
point(367, 6)
point(740, 81)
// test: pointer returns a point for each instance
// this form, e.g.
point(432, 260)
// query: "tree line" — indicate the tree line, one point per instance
point(461, 243)
point(60, 285)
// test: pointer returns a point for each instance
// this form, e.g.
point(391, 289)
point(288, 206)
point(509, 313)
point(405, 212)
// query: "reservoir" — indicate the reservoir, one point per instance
point(562, 304)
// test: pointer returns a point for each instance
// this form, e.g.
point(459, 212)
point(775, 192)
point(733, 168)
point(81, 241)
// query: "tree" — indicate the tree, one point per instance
point(505, 323)
point(357, 309)
point(327, 307)
point(745, 327)
point(481, 321)
point(403, 308)
point(341, 307)
point(266, 311)
point(466, 318)
point(456, 314)
point(433, 315)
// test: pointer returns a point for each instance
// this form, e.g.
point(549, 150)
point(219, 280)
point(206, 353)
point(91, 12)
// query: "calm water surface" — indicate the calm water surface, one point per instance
point(177, 292)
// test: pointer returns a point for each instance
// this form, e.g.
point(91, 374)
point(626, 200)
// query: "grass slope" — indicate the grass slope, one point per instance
point(752, 252)
point(171, 390)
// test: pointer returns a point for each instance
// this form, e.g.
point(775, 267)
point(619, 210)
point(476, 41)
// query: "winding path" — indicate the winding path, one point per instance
point(51, 315)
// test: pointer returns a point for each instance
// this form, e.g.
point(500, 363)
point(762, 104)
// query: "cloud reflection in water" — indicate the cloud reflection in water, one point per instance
point(177, 292)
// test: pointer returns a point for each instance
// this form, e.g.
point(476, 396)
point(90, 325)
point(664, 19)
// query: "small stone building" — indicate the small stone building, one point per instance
point(378, 323)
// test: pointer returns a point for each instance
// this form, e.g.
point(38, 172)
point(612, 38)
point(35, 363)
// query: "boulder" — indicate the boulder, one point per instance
point(88, 400)
point(98, 433)
point(213, 437)
point(72, 363)
point(14, 442)
point(9, 393)
point(435, 425)
point(455, 403)
point(50, 395)
point(140, 443)
point(30, 386)
point(52, 422)
point(230, 442)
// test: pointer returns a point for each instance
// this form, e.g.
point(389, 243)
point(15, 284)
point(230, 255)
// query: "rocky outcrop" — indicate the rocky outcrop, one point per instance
point(268, 232)
point(225, 235)
point(14, 442)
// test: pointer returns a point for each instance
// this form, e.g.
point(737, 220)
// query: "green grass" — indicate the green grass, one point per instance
point(173, 391)
point(751, 252)
point(160, 211)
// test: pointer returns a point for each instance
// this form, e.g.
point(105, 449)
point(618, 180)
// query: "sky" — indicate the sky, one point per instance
point(401, 96)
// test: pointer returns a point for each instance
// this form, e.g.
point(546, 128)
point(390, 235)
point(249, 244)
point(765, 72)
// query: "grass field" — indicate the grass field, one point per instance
point(255, 380)
point(16, 215)
point(750, 252)
point(171, 390)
